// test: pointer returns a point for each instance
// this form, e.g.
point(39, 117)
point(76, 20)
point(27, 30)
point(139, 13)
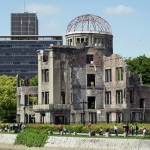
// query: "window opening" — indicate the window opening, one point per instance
point(107, 97)
point(46, 97)
point(91, 80)
point(82, 40)
point(26, 100)
point(108, 75)
point(131, 96)
point(43, 102)
point(62, 97)
point(91, 102)
point(87, 41)
point(119, 73)
point(70, 42)
point(108, 43)
point(101, 41)
point(119, 97)
point(95, 42)
point(31, 100)
point(78, 40)
point(141, 102)
point(45, 75)
point(89, 59)
point(59, 119)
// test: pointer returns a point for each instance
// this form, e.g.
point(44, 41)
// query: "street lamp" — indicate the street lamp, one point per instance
point(24, 114)
point(83, 102)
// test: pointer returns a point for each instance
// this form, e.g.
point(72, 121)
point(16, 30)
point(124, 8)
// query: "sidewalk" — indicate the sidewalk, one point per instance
point(86, 134)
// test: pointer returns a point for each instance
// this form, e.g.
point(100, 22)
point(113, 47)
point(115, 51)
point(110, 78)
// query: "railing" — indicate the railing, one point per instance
point(44, 107)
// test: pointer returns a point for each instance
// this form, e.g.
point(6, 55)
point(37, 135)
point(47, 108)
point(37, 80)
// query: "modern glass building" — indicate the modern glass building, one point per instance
point(18, 53)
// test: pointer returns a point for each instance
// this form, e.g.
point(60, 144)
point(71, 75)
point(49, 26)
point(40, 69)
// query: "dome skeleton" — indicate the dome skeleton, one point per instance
point(94, 23)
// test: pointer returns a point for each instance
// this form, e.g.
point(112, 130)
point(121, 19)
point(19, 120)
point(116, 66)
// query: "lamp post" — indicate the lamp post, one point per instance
point(83, 102)
point(24, 114)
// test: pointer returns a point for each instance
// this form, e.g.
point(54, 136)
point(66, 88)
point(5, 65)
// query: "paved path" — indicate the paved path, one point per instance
point(98, 135)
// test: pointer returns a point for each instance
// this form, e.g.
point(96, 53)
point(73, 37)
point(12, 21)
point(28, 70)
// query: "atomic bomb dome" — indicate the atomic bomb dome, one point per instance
point(88, 24)
point(90, 30)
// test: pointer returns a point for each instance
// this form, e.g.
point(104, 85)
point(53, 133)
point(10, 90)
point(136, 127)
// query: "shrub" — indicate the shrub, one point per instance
point(32, 137)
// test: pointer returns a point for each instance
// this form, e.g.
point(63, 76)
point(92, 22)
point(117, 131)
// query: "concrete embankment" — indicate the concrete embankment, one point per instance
point(75, 143)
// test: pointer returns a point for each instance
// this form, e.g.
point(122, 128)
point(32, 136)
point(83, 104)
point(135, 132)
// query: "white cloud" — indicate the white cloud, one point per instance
point(43, 9)
point(52, 25)
point(120, 9)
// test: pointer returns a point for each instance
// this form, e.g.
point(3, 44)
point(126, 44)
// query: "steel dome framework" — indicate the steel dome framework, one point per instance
point(90, 23)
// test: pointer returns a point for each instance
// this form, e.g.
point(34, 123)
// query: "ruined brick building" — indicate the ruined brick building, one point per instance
point(85, 82)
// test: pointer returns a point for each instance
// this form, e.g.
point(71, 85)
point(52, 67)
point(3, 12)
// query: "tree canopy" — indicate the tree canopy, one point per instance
point(34, 81)
point(140, 65)
point(7, 95)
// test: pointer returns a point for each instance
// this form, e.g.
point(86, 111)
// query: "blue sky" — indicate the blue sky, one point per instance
point(129, 19)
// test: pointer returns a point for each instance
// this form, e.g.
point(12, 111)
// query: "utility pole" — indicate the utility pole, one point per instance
point(83, 102)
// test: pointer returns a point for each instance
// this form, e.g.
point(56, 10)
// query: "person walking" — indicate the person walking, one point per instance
point(116, 129)
point(132, 129)
point(136, 129)
point(60, 128)
point(124, 127)
point(89, 127)
point(64, 130)
point(144, 131)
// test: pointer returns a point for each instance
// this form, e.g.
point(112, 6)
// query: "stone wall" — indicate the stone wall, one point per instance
point(86, 143)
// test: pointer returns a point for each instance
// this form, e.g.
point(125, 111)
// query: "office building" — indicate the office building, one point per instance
point(24, 24)
point(18, 51)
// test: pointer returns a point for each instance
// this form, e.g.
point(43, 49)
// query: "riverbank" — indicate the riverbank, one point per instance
point(76, 143)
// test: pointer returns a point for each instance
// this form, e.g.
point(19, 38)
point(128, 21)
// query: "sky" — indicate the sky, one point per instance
point(129, 20)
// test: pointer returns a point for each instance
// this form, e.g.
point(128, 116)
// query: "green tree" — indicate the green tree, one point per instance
point(34, 81)
point(140, 65)
point(7, 96)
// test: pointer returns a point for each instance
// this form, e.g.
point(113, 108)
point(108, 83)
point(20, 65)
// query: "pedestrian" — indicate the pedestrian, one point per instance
point(89, 127)
point(11, 126)
point(64, 130)
point(100, 131)
point(20, 126)
point(132, 129)
point(124, 127)
point(116, 129)
point(144, 131)
point(127, 129)
point(108, 131)
point(136, 129)
point(23, 127)
point(60, 128)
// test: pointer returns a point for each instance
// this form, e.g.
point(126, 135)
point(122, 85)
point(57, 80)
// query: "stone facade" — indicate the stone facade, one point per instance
point(26, 98)
point(85, 82)
point(73, 89)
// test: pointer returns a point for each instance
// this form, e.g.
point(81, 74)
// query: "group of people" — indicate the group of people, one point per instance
point(133, 129)
point(14, 126)
point(127, 129)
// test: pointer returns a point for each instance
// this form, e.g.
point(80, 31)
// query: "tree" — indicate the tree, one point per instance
point(34, 81)
point(140, 65)
point(7, 95)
